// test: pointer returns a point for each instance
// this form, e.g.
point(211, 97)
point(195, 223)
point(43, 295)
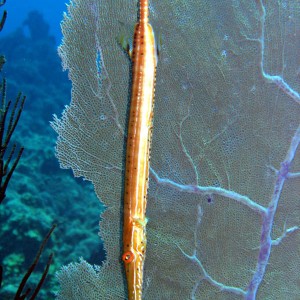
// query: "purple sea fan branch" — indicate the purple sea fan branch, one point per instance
point(209, 190)
point(268, 219)
point(276, 79)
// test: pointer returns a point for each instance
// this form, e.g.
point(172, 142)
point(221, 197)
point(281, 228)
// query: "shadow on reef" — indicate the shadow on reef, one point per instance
point(35, 198)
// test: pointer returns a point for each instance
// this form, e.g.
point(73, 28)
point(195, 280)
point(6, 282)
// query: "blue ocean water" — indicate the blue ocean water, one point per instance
point(51, 10)
point(39, 193)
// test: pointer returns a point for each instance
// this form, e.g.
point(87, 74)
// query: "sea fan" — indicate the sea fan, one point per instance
point(224, 199)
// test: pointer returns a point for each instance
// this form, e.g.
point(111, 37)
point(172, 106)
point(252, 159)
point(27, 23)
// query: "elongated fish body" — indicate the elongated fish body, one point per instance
point(144, 60)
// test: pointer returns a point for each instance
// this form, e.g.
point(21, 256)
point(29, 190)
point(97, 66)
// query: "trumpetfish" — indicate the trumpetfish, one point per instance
point(139, 136)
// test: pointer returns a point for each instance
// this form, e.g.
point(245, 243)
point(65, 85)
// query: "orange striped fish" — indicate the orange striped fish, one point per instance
point(144, 61)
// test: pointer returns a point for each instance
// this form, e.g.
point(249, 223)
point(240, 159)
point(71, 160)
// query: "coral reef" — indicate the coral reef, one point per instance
point(39, 194)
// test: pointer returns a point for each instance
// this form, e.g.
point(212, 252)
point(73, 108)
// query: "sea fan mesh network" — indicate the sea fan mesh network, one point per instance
point(224, 130)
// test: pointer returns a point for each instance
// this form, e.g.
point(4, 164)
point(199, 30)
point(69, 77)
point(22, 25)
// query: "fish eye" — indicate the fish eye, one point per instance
point(128, 257)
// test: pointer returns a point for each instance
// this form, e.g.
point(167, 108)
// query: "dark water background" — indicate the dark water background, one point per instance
point(51, 10)
point(40, 193)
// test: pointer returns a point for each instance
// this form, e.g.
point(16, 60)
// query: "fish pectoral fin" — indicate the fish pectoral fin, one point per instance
point(159, 44)
point(125, 43)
